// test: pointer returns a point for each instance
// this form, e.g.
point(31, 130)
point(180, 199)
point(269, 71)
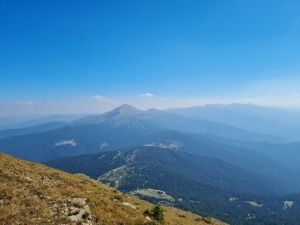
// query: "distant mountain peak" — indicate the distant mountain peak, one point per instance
point(122, 110)
point(126, 109)
point(153, 110)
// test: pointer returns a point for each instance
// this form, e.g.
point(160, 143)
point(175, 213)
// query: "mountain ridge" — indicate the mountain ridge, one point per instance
point(122, 110)
point(200, 184)
point(31, 193)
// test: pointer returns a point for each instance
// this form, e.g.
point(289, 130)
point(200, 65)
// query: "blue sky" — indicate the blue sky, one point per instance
point(88, 56)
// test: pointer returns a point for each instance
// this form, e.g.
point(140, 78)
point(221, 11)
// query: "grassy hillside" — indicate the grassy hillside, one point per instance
point(31, 193)
point(195, 183)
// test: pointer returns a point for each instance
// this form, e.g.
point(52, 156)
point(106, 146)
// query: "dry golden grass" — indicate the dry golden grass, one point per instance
point(28, 192)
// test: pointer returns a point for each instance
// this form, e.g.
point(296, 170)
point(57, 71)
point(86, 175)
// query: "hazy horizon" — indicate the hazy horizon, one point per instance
point(37, 114)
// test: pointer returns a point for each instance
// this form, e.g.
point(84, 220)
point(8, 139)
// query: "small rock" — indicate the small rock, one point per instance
point(128, 204)
point(74, 211)
point(84, 213)
point(85, 210)
point(56, 205)
point(78, 201)
point(148, 218)
point(73, 218)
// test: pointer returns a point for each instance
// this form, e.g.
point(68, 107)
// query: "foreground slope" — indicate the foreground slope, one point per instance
point(31, 193)
point(199, 184)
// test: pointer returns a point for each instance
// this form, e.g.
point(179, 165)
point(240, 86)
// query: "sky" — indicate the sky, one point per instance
point(90, 56)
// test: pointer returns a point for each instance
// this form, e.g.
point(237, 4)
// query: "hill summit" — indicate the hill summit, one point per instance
point(122, 110)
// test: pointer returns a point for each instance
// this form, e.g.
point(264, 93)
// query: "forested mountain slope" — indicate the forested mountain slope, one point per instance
point(206, 170)
point(31, 193)
point(77, 140)
point(199, 184)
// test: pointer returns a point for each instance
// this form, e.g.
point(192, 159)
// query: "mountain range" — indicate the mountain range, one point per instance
point(214, 160)
point(25, 121)
point(116, 129)
point(267, 120)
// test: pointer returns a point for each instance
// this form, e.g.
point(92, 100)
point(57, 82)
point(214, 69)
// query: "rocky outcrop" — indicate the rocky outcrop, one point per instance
point(75, 209)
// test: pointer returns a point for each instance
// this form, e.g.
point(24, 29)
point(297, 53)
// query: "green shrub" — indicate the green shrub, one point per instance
point(156, 213)
point(119, 197)
point(206, 220)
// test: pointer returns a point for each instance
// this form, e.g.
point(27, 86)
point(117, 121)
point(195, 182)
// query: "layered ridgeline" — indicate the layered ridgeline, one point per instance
point(119, 128)
point(268, 120)
point(127, 126)
point(30, 130)
point(31, 193)
point(196, 164)
point(287, 154)
point(242, 157)
point(203, 185)
point(24, 121)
